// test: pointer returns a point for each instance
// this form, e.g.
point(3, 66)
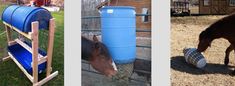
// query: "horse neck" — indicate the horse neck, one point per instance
point(87, 48)
point(214, 32)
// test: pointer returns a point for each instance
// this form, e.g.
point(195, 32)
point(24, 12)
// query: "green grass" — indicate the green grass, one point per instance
point(11, 75)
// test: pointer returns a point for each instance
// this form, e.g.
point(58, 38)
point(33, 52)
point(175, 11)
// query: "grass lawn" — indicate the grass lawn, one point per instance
point(11, 75)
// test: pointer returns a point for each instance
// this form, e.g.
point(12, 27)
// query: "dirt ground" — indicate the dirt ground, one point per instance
point(184, 33)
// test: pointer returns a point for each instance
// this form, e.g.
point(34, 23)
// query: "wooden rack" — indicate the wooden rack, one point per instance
point(36, 57)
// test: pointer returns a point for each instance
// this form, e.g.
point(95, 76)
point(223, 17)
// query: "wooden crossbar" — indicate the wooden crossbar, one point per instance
point(41, 58)
point(11, 43)
point(51, 76)
point(6, 58)
point(27, 47)
point(27, 35)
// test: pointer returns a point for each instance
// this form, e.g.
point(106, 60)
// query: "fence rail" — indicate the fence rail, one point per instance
point(95, 17)
point(98, 30)
point(137, 30)
point(143, 46)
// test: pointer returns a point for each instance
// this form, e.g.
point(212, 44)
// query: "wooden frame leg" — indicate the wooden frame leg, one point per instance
point(51, 76)
point(35, 50)
point(50, 46)
point(8, 31)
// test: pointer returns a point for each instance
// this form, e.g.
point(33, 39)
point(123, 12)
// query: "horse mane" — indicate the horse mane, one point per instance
point(211, 31)
point(104, 50)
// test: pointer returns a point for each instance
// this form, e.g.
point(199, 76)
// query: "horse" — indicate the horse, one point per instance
point(98, 56)
point(223, 28)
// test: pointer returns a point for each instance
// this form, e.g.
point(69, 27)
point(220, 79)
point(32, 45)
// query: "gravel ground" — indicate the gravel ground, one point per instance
point(120, 79)
point(184, 33)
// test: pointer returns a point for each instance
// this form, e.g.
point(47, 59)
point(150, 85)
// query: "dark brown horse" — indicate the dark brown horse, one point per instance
point(98, 55)
point(223, 28)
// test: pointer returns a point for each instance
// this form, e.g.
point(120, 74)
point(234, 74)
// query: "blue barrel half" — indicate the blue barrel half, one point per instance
point(21, 17)
point(118, 28)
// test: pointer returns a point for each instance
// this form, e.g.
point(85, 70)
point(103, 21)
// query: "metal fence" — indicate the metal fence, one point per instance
point(139, 46)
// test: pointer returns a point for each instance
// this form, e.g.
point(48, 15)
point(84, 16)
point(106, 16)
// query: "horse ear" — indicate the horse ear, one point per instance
point(97, 45)
point(95, 38)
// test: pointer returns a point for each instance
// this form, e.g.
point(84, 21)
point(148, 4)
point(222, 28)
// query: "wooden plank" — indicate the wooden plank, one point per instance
point(51, 76)
point(6, 24)
point(40, 60)
point(50, 45)
point(20, 32)
point(23, 33)
point(102, 4)
point(6, 58)
point(11, 43)
point(35, 50)
point(8, 33)
point(21, 67)
point(40, 57)
point(27, 47)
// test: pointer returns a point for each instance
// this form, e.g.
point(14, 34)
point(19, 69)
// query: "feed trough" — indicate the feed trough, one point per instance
point(25, 57)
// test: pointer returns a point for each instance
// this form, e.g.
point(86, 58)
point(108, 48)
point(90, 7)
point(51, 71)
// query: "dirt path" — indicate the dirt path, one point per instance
point(184, 33)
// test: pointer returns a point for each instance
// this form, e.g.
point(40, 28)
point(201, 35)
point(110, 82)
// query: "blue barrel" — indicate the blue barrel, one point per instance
point(118, 26)
point(21, 17)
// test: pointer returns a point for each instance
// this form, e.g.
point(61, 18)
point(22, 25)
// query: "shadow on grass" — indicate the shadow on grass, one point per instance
point(178, 63)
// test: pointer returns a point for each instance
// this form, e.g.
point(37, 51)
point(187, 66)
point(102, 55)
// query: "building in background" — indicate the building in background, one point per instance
point(216, 6)
point(180, 7)
point(59, 3)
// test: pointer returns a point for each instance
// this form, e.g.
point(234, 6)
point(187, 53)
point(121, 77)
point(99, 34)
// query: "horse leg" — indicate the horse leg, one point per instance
point(233, 73)
point(227, 52)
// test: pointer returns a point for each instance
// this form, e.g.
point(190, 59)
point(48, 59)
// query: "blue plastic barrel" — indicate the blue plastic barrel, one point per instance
point(21, 17)
point(118, 26)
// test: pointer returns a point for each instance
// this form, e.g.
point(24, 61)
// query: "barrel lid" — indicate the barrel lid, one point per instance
point(118, 7)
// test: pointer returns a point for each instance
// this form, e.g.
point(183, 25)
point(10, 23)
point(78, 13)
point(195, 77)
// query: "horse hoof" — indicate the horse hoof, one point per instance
point(226, 64)
point(233, 73)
